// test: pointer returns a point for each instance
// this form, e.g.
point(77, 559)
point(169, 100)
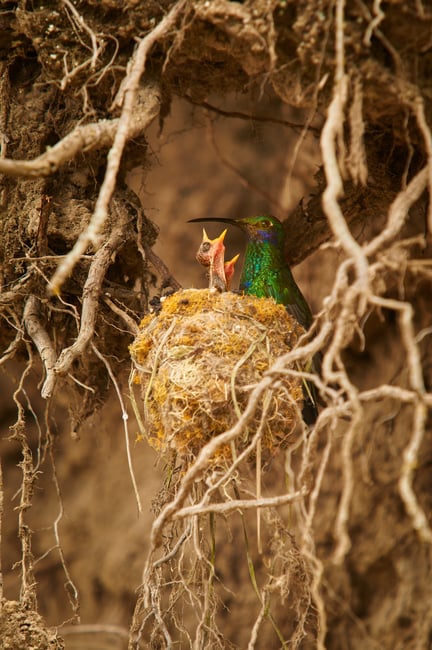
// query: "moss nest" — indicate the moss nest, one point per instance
point(196, 362)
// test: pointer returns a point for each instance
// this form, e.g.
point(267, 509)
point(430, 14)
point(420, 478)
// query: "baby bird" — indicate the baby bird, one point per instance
point(211, 254)
point(229, 270)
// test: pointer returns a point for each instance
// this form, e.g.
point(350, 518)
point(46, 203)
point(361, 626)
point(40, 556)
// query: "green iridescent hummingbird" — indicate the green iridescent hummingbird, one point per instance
point(266, 274)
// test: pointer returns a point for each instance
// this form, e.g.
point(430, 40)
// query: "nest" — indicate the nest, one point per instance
point(196, 362)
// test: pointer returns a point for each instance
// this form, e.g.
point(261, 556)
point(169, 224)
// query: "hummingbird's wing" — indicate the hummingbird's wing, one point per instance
point(282, 287)
point(300, 314)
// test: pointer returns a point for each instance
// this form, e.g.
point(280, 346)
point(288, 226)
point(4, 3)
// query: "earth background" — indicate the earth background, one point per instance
point(245, 91)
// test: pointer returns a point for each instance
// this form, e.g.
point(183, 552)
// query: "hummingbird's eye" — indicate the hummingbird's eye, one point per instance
point(205, 247)
point(266, 223)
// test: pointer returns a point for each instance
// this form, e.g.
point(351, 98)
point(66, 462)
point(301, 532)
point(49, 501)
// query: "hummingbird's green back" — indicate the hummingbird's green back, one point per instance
point(265, 272)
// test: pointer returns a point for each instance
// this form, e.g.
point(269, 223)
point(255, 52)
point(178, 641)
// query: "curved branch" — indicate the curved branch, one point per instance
point(239, 504)
point(39, 335)
point(91, 294)
point(127, 96)
point(87, 137)
point(331, 140)
point(398, 211)
point(7, 297)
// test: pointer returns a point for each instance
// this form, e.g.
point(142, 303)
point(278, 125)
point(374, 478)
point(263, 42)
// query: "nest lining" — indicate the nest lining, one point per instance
point(196, 362)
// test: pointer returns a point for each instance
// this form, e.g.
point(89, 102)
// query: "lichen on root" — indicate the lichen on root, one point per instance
point(196, 362)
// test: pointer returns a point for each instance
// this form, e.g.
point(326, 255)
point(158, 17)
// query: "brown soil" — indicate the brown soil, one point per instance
point(245, 94)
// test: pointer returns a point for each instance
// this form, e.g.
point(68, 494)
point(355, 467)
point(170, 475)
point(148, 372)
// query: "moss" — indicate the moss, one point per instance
point(197, 361)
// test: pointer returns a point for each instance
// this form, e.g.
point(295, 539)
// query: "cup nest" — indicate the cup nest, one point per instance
point(196, 362)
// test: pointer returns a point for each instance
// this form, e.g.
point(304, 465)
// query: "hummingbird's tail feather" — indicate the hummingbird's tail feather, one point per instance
point(311, 397)
point(309, 412)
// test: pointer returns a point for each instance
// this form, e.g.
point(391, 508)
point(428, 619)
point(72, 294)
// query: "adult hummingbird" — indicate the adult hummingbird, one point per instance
point(267, 274)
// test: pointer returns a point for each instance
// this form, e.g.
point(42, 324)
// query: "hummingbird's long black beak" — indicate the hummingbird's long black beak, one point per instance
point(232, 222)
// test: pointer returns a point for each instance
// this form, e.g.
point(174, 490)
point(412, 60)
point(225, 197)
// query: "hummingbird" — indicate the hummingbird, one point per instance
point(266, 274)
point(211, 254)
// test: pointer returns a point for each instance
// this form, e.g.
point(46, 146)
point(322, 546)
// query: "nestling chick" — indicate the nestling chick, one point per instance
point(211, 255)
point(229, 270)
